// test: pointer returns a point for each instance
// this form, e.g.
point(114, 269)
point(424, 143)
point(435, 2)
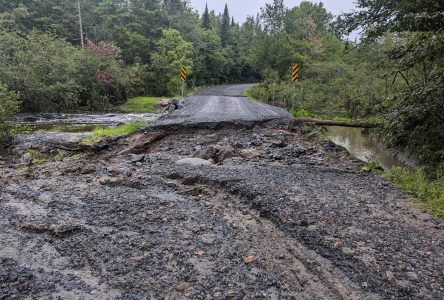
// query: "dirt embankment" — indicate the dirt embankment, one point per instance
point(256, 213)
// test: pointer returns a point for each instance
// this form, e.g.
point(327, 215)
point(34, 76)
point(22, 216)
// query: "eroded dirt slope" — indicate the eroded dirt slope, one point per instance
point(272, 215)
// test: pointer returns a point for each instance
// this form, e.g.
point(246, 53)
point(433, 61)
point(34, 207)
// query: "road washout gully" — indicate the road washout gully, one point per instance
point(218, 200)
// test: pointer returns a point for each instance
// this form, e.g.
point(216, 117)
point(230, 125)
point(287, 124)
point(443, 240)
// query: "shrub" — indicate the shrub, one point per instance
point(9, 105)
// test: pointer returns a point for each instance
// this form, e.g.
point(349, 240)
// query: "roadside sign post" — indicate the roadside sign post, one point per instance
point(294, 78)
point(295, 73)
point(183, 78)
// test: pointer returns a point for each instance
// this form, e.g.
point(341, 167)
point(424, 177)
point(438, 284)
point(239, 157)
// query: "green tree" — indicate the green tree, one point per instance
point(173, 53)
point(412, 67)
point(225, 34)
point(206, 22)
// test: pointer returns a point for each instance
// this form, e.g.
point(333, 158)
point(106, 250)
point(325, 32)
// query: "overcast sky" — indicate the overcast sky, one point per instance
point(240, 9)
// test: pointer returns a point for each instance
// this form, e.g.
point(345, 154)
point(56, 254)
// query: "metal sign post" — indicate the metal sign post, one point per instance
point(295, 73)
point(294, 78)
point(183, 78)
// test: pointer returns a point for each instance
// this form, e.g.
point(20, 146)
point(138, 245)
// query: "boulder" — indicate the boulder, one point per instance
point(250, 153)
point(218, 153)
point(193, 162)
point(164, 102)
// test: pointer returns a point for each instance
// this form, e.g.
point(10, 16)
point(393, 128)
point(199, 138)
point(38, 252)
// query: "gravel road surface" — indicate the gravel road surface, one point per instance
point(222, 105)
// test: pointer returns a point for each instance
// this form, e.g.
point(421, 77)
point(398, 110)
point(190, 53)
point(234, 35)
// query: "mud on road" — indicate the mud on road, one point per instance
point(270, 215)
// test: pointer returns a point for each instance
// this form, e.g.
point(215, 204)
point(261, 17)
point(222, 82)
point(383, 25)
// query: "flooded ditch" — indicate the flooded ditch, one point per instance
point(363, 147)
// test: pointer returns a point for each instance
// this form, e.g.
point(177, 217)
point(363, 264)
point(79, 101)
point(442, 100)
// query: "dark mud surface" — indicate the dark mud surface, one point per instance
point(297, 219)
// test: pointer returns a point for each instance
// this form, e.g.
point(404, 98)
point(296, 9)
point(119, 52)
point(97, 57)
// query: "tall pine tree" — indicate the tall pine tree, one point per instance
point(225, 27)
point(206, 22)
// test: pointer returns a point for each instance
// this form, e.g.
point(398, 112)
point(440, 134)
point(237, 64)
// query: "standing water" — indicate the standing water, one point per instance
point(362, 147)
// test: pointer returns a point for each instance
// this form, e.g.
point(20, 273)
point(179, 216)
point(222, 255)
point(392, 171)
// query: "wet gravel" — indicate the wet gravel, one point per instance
point(128, 227)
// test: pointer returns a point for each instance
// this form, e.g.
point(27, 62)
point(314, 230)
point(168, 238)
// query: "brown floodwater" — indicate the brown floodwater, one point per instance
point(361, 146)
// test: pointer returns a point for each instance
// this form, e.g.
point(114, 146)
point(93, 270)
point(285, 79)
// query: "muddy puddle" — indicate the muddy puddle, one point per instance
point(361, 146)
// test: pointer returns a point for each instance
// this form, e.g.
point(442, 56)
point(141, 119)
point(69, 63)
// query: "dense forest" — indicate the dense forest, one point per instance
point(60, 55)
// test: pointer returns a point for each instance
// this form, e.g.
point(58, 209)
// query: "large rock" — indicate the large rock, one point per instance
point(164, 103)
point(140, 143)
point(250, 153)
point(193, 162)
point(218, 153)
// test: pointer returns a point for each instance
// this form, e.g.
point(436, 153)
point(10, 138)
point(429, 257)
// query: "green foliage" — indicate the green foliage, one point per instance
point(225, 33)
point(410, 39)
point(429, 194)
point(52, 75)
point(99, 134)
point(206, 22)
point(302, 113)
point(140, 104)
point(173, 53)
point(9, 105)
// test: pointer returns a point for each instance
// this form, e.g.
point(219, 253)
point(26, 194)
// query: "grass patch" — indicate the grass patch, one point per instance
point(302, 113)
point(429, 194)
point(101, 133)
point(140, 105)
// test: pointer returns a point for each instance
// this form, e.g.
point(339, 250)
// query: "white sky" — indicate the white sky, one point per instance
point(240, 9)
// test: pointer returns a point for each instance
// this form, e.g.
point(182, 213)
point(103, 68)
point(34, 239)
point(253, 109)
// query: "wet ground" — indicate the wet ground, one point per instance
point(270, 215)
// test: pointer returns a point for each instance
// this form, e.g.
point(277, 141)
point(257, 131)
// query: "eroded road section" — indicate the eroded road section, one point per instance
point(250, 213)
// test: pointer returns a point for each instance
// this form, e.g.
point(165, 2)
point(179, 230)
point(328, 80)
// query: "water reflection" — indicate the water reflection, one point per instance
point(361, 146)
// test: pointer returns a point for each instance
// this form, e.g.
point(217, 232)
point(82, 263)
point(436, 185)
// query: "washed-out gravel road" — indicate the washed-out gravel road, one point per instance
point(224, 212)
point(220, 106)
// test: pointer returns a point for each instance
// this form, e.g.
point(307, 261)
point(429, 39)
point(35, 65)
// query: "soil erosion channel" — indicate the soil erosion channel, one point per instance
point(215, 201)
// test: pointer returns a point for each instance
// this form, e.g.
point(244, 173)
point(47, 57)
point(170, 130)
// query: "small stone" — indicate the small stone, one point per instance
point(193, 162)
point(250, 259)
point(182, 287)
point(299, 150)
point(412, 276)
point(348, 251)
point(365, 285)
point(390, 276)
point(133, 158)
point(207, 239)
point(303, 223)
point(200, 253)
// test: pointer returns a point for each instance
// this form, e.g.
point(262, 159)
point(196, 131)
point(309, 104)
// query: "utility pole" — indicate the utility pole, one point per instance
point(81, 25)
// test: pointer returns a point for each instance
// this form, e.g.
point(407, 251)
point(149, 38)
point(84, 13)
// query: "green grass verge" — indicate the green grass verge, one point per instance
point(429, 194)
point(140, 104)
point(101, 133)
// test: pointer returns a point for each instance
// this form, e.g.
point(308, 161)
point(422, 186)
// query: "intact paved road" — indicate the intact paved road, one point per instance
point(222, 105)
